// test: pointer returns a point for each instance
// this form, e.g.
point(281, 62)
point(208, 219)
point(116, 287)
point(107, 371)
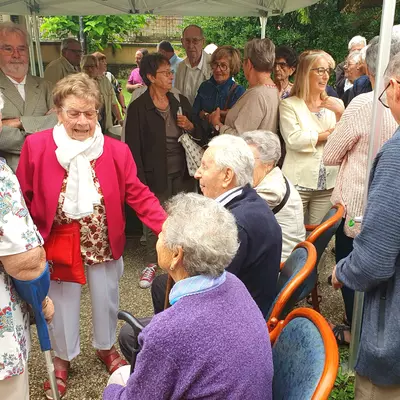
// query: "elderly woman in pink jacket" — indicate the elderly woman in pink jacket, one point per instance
point(76, 182)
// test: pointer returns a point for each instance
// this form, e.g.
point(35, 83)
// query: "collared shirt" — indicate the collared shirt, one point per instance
point(17, 235)
point(189, 79)
point(20, 86)
point(135, 77)
point(228, 196)
point(194, 285)
point(175, 61)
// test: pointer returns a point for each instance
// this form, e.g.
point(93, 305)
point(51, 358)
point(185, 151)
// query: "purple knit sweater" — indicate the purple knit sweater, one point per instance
point(212, 345)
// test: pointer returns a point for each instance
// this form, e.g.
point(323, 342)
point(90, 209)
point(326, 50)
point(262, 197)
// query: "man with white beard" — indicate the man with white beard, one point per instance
point(27, 99)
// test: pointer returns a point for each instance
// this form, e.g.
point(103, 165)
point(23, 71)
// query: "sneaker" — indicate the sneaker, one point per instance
point(148, 275)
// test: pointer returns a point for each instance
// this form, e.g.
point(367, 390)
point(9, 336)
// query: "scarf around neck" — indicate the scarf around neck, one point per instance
point(75, 156)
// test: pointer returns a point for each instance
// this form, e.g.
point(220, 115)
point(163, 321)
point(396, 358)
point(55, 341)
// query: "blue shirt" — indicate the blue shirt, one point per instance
point(211, 95)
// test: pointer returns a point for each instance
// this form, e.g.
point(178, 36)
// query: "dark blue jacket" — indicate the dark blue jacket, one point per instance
point(373, 267)
point(360, 85)
point(258, 259)
point(210, 95)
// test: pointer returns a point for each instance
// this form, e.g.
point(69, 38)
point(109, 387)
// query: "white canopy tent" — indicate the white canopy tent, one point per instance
point(260, 8)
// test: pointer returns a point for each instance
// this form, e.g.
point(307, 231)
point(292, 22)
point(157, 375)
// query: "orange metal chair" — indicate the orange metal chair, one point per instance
point(305, 356)
point(320, 236)
point(293, 280)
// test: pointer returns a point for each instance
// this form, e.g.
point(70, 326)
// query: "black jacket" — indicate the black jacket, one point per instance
point(258, 259)
point(146, 138)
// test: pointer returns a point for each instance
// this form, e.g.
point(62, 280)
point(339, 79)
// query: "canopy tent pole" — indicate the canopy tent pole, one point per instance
point(31, 50)
point(263, 22)
point(388, 12)
point(35, 23)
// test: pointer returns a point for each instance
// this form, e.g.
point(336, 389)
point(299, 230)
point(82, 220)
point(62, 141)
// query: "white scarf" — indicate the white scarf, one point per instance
point(75, 156)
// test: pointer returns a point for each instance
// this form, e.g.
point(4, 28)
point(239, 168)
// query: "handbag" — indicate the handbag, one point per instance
point(193, 151)
point(63, 252)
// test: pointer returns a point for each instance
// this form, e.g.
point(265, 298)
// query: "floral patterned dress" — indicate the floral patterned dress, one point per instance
point(17, 235)
point(95, 246)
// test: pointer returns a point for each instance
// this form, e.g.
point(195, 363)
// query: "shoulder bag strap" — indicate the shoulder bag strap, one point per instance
point(282, 204)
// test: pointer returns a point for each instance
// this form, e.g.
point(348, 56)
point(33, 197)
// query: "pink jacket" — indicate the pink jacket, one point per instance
point(41, 176)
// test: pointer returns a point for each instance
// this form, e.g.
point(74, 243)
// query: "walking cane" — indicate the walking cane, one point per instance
point(34, 292)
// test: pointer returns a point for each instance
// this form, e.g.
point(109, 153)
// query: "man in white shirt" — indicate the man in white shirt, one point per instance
point(195, 68)
point(166, 49)
point(28, 99)
point(68, 63)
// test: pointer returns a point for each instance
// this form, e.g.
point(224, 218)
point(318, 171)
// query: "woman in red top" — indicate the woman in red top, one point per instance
point(73, 173)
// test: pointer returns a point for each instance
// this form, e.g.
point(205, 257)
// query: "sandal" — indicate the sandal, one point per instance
point(338, 332)
point(109, 360)
point(61, 375)
point(309, 299)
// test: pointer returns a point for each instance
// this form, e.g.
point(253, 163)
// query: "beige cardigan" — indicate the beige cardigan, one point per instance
point(290, 218)
point(300, 128)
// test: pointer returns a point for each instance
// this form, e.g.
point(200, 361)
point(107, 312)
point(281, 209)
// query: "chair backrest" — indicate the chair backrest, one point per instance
point(305, 356)
point(293, 280)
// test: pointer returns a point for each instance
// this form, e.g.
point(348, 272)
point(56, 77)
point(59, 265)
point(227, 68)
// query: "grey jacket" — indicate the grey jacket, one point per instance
point(32, 111)
point(373, 267)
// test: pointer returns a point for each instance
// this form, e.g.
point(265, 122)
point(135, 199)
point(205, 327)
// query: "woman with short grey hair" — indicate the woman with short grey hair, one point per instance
point(271, 185)
point(194, 349)
point(258, 106)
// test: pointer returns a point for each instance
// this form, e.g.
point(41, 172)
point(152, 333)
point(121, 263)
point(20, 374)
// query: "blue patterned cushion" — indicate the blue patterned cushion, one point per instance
point(299, 358)
point(292, 267)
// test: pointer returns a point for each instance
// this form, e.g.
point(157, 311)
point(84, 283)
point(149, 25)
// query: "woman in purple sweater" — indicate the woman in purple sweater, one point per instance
point(212, 343)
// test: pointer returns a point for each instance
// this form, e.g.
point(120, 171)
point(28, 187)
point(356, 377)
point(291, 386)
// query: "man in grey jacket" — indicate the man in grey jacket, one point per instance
point(27, 99)
point(373, 266)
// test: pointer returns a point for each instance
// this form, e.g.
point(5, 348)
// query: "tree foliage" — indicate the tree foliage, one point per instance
point(100, 30)
point(321, 26)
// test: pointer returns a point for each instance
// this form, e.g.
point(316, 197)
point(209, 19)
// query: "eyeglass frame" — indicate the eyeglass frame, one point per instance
point(167, 74)
point(80, 113)
point(195, 40)
point(22, 50)
point(281, 65)
point(76, 51)
point(326, 70)
point(215, 65)
point(384, 90)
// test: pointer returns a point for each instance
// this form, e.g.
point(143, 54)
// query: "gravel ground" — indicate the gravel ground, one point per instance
point(88, 376)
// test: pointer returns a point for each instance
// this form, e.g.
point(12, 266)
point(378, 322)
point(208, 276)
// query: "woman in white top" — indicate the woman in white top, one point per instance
point(271, 185)
point(307, 118)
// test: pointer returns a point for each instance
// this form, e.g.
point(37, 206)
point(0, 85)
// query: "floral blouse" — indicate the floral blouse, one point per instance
point(95, 247)
point(17, 235)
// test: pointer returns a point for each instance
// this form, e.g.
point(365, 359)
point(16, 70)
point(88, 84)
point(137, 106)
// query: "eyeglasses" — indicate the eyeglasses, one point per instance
point(222, 67)
point(195, 41)
point(281, 65)
point(75, 114)
point(75, 51)
point(167, 74)
point(383, 97)
point(321, 71)
point(9, 50)
point(347, 65)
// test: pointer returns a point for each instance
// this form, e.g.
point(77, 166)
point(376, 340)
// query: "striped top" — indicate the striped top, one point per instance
point(348, 146)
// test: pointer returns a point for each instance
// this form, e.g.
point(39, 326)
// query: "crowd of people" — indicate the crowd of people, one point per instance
point(266, 160)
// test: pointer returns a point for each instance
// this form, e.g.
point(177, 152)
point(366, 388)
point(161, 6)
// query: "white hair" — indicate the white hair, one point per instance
point(232, 152)
point(371, 57)
point(205, 230)
point(7, 28)
point(393, 69)
point(267, 144)
point(66, 42)
point(357, 40)
point(355, 56)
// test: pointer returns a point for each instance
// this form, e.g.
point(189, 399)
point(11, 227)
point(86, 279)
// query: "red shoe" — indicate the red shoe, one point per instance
point(112, 360)
point(62, 376)
point(148, 275)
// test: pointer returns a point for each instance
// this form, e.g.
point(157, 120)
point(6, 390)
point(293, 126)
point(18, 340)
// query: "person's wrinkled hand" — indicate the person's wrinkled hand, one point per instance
point(12, 122)
point(333, 104)
point(183, 122)
point(335, 283)
point(215, 117)
point(48, 309)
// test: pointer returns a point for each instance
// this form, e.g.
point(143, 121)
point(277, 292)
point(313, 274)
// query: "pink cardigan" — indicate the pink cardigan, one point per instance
point(41, 176)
